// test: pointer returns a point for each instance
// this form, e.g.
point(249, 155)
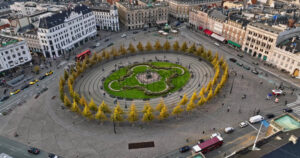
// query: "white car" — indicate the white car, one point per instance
point(98, 44)
point(228, 130)
point(124, 35)
point(243, 124)
point(215, 135)
point(217, 44)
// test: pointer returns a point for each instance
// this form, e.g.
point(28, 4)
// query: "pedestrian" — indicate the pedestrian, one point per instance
point(242, 76)
point(214, 129)
point(203, 132)
point(285, 102)
point(222, 105)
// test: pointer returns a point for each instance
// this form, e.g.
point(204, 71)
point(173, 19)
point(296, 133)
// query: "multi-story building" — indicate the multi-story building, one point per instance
point(32, 41)
point(216, 20)
point(180, 9)
point(286, 55)
point(198, 18)
point(62, 32)
point(234, 30)
point(260, 39)
point(141, 16)
point(26, 8)
point(13, 53)
point(107, 17)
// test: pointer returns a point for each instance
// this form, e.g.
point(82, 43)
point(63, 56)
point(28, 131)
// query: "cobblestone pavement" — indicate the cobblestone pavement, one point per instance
point(45, 124)
point(90, 84)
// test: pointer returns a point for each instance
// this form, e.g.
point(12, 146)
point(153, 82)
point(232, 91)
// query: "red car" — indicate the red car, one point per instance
point(34, 151)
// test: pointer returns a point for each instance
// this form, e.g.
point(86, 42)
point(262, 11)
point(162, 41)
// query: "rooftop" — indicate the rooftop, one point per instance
point(239, 19)
point(192, 1)
point(103, 7)
point(137, 7)
point(217, 15)
point(278, 147)
point(292, 44)
point(59, 18)
point(5, 41)
point(266, 27)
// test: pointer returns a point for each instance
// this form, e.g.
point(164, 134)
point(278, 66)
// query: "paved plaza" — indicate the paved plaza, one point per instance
point(46, 124)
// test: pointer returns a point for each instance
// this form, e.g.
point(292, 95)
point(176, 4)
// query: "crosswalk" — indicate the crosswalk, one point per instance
point(295, 105)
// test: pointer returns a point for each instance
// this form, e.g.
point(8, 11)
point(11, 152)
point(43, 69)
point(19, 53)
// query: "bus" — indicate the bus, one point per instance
point(81, 56)
point(208, 145)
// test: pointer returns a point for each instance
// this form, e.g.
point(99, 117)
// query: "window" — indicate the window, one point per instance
point(266, 52)
point(278, 56)
point(270, 40)
point(14, 55)
point(283, 58)
point(250, 33)
point(24, 52)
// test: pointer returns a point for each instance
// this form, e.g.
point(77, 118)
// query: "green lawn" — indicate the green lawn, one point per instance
point(157, 87)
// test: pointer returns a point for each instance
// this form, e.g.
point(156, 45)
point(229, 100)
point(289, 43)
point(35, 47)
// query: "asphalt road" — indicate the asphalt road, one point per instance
point(17, 150)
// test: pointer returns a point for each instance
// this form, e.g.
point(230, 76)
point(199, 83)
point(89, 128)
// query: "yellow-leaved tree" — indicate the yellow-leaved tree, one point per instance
point(86, 112)
point(104, 107)
point(177, 110)
point(184, 100)
point(149, 46)
point(117, 115)
point(194, 96)
point(157, 45)
point(163, 113)
point(146, 107)
point(100, 115)
point(148, 115)
point(160, 105)
point(131, 48)
point(92, 105)
point(133, 115)
point(176, 46)
point(75, 107)
point(183, 47)
point(140, 47)
point(67, 101)
point(167, 45)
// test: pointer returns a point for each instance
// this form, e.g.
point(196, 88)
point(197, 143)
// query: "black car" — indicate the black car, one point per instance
point(135, 32)
point(254, 72)
point(4, 98)
point(42, 77)
point(289, 110)
point(184, 149)
point(232, 60)
point(106, 40)
point(270, 115)
point(44, 90)
point(34, 151)
point(25, 86)
point(246, 67)
point(240, 55)
point(110, 44)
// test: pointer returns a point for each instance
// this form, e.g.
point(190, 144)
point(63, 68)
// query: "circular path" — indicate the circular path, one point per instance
point(90, 84)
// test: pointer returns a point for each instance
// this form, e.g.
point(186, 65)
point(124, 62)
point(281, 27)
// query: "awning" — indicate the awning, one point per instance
point(208, 32)
point(200, 28)
point(233, 43)
point(218, 37)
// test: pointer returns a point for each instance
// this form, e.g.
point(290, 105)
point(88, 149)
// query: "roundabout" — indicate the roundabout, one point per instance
point(95, 82)
point(146, 80)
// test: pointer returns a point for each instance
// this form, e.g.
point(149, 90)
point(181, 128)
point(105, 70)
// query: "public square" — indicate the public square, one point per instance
point(45, 122)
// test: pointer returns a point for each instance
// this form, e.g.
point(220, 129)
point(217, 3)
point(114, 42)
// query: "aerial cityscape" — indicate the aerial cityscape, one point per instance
point(149, 78)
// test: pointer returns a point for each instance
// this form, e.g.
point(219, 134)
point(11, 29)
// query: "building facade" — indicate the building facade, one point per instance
point(198, 18)
point(107, 17)
point(234, 30)
point(32, 41)
point(13, 53)
point(141, 16)
point(25, 8)
point(260, 39)
point(180, 9)
point(62, 32)
point(216, 20)
point(286, 56)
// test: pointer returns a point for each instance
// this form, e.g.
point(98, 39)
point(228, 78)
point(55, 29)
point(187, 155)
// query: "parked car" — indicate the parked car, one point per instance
point(184, 149)
point(246, 67)
point(287, 110)
point(106, 40)
point(239, 64)
point(255, 119)
point(232, 60)
point(270, 115)
point(44, 90)
point(217, 44)
point(228, 130)
point(15, 92)
point(135, 32)
point(25, 86)
point(243, 124)
point(254, 72)
point(201, 141)
point(42, 77)
point(123, 35)
point(97, 44)
point(33, 150)
point(33, 82)
point(4, 98)
point(240, 55)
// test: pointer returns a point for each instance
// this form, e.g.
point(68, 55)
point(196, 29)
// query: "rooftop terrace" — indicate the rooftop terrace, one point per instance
point(5, 41)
